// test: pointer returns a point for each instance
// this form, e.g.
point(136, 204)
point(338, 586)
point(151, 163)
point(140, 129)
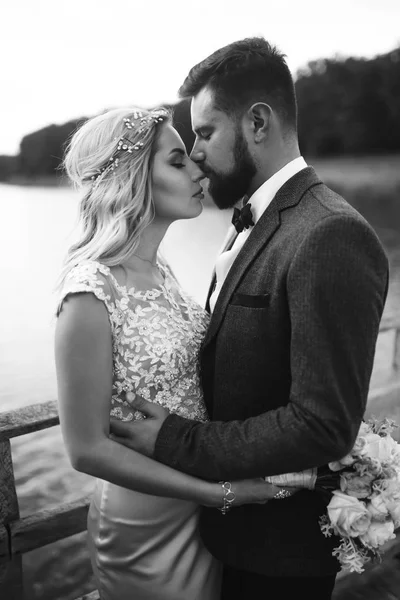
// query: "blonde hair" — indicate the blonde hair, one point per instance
point(117, 203)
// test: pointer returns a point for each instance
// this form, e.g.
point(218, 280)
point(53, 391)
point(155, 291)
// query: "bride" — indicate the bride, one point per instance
point(125, 326)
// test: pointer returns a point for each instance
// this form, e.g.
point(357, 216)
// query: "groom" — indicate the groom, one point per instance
point(296, 302)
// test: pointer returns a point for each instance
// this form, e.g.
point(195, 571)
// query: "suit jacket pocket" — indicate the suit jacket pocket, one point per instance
point(250, 301)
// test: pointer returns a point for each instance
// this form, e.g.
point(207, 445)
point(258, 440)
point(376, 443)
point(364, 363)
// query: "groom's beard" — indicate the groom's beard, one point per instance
point(227, 188)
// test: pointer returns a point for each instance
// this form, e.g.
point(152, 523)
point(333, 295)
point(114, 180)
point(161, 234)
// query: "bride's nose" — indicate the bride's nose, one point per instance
point(196, 174)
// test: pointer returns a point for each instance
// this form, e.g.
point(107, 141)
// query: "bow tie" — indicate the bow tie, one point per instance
point(242, 218)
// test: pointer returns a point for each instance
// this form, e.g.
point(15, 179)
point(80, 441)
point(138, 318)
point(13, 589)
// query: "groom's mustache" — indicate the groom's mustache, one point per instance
point(206, 170)
point(203, 167)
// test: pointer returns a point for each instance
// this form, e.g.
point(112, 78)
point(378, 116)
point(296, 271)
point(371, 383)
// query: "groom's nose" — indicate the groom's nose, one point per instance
point(198, 156)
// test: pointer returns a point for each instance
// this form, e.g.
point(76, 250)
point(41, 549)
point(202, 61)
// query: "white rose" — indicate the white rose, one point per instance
point(391, 497)
point(364, 429)
point(371, 447)
point(377, 507)
point(392, 487)
point(389, 447)
point(338, 465)
point(348, 460)
point(359, 486)
point(382, 448)
point(348, 515)
point(378, 533)
point(394, 511)
point(359, 445)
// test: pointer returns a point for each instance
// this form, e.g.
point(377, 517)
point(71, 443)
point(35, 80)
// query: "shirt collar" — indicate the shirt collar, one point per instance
point(264, 195)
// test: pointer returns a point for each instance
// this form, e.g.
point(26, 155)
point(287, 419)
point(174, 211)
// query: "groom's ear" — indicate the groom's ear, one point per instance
point(259, 117)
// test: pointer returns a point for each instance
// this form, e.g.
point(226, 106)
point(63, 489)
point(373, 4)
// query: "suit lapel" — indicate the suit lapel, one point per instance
point(289, 195)
point(210, 291)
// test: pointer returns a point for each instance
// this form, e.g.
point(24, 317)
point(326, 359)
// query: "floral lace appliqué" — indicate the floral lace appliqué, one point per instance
point(157, 336)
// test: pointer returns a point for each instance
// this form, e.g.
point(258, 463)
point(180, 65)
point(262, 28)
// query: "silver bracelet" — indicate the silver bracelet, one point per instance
point(229, 496)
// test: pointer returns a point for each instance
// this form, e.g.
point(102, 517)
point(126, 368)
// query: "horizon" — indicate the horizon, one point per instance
point(50, 80)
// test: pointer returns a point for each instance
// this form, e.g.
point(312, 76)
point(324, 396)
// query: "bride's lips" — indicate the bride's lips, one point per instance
point(198, 194)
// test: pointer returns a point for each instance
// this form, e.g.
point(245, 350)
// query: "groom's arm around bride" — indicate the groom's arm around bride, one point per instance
point(306, 356)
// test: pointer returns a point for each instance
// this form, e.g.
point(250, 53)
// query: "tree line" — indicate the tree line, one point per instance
point(346, 107)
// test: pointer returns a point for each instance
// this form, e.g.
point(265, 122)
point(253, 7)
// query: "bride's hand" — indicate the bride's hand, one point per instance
point(248, 491)
point(256, 491)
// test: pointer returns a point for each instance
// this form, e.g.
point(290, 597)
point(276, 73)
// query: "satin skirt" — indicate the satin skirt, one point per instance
point(148, 548)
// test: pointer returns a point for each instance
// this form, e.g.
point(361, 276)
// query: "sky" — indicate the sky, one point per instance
point(66, 59)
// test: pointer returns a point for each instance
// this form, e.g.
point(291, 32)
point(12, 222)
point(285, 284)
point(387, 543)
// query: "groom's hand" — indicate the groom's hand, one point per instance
point(140, 435)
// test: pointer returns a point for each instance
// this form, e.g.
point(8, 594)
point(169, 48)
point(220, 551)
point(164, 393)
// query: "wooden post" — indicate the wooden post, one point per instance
point(11, 583)
point(396, 352)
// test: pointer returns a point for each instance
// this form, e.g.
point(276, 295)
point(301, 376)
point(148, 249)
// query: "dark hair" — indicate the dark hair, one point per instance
point(242, 73)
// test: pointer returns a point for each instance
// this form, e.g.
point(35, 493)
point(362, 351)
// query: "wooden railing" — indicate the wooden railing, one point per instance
point(20, 535)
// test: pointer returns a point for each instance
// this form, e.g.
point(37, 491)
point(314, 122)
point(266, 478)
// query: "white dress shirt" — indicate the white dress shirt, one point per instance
point(259, 201)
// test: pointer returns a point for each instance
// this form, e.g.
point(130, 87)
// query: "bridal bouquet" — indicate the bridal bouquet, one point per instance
point(364, 494)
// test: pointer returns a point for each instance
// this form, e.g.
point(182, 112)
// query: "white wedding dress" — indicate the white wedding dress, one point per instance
point(145, 547)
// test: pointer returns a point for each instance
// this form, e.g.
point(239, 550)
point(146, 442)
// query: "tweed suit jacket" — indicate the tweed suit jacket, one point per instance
point(285, 368)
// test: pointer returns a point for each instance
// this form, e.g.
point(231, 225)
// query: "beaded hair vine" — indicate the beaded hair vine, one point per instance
point(125, 145)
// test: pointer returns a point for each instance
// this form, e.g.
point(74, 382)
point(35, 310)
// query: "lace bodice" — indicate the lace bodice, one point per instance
point(156, 336)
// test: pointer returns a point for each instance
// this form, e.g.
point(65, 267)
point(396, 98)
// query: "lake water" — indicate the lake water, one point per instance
point(36, 228)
